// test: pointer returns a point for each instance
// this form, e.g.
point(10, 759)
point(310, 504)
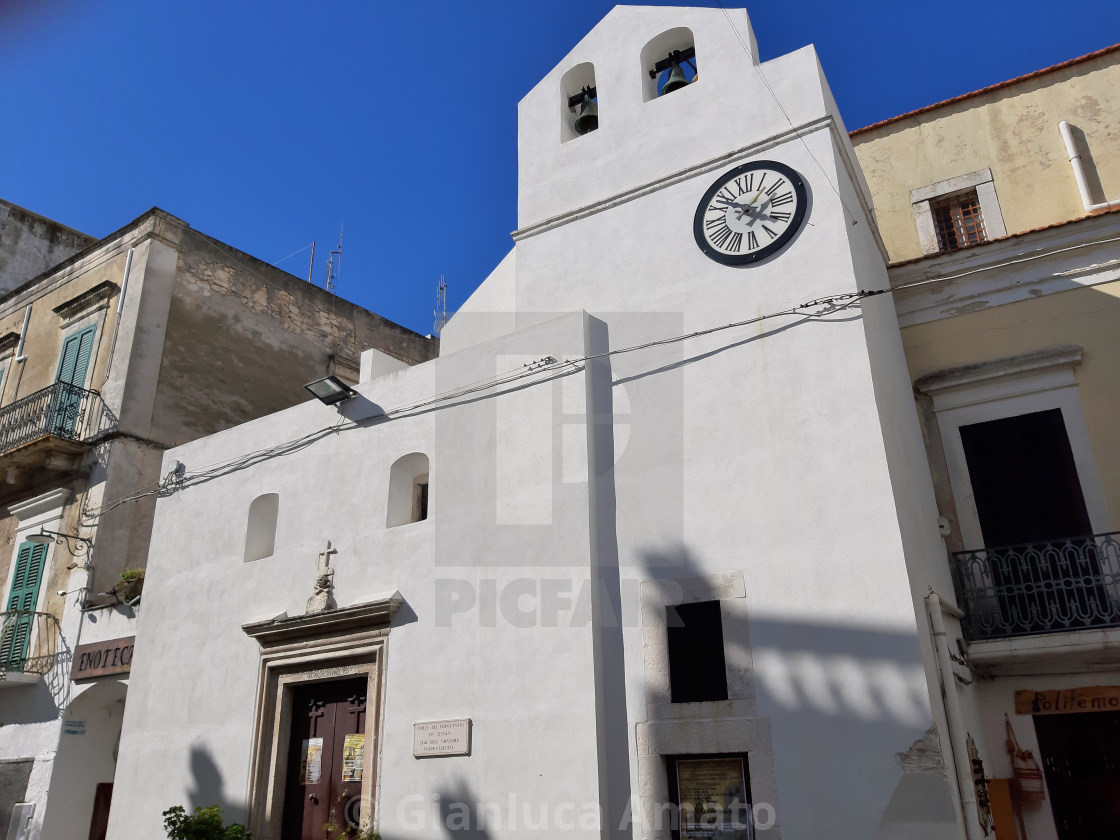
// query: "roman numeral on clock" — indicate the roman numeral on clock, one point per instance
point(736, 243)
point(784, 198)
point(720, 237)
point(769, 232)
point(752, 240)
point(777, 185)
point(780, 217)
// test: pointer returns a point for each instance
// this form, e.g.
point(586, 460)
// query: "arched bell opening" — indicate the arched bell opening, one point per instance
point(668, 63)
point(579, 104)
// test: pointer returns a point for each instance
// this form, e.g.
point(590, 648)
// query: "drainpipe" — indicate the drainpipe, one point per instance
point(124, 280)
point(962, 768)
point(120, 307)
point(23, 335)
point(1079, 172)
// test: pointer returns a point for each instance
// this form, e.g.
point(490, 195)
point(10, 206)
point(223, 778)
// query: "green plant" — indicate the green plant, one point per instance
point(331, 825)
point(203, 824)
point(129, 584)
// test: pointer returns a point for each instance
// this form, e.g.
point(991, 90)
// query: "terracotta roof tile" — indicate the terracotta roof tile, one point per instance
point(989, 89)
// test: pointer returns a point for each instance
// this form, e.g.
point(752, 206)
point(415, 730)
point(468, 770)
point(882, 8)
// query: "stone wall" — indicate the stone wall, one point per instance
point(30, 244)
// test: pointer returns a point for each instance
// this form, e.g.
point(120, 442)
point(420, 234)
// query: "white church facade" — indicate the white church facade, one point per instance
point(650, 551)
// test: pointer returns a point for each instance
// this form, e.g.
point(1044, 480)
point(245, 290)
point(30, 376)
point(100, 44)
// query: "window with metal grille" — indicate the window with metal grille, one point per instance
point(958, 221)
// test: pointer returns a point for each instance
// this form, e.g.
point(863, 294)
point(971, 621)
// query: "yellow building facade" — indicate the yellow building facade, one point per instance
point(1000, 210)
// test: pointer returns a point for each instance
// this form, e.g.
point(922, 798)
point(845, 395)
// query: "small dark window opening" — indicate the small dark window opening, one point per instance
point(697, 669)
point(958, 221)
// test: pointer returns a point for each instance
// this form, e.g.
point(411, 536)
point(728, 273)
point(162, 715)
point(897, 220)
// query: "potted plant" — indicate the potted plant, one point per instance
point(130, 584)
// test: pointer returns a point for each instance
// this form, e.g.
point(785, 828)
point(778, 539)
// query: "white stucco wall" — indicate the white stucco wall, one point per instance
point(504, 677)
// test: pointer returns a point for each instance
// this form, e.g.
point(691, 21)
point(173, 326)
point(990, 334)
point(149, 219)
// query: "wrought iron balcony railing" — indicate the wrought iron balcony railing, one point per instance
point(28, 642)
point(62, 410)
point(1044, 587)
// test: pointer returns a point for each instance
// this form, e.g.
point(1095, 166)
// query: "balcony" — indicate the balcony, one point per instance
point(49, 430)
point(28, 646)
point(1042, 587)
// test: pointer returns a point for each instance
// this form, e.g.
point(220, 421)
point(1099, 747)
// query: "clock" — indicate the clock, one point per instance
point(750, 212)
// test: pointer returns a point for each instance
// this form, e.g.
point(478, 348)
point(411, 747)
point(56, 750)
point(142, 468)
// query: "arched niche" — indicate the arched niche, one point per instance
point(260, 530)
point(408, 490)
point(572, 83)
point(659, 48)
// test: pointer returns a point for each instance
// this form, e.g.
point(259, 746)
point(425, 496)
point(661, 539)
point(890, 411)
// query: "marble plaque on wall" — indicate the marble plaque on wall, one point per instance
point(436, 738)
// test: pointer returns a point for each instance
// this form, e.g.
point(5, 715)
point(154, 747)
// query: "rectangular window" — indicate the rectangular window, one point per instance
point(697, 670)
point(958, 221)
point(1024, 479)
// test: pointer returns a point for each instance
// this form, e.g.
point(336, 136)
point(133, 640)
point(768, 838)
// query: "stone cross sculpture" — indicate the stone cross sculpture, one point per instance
point(322, 599)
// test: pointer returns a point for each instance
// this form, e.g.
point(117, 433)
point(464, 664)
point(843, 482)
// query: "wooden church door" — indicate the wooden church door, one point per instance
point(325, 757)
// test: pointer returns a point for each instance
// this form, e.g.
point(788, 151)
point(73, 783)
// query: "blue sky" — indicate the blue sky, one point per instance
point(269, 124)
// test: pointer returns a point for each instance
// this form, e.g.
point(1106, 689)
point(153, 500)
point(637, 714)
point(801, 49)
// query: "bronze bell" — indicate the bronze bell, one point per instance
point(588, 119)
point(675, 81)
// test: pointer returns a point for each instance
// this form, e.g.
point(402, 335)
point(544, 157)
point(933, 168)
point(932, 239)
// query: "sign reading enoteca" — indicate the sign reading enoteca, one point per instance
point(100, 659)
point(1094, 698)
point(441, 738)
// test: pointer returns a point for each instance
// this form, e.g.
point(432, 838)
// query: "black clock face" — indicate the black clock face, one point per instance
point(750, 212)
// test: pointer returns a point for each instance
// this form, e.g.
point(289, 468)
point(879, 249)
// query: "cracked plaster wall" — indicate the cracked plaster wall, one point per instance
point(1014, 132)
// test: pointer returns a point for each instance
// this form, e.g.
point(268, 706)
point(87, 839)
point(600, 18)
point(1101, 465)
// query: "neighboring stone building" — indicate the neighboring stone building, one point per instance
point(146, 339)
point(580, 584)
point(30, 244)
point(1006, 270)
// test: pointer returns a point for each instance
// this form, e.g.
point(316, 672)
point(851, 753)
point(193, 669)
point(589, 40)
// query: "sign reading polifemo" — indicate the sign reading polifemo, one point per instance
point(100, 659)
point(1096, 698)
point(441, 738)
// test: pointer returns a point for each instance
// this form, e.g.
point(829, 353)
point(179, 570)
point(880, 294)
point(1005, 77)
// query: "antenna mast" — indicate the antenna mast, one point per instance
point(334, 270)
point(441, 306)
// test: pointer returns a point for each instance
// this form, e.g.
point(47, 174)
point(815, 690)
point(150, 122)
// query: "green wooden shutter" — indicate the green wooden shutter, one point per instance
point(75, 357)
point(24, 595)
point(72, 371)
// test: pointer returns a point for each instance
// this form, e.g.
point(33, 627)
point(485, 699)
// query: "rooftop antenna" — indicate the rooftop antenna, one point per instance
point(334, 270)
point(441, 306)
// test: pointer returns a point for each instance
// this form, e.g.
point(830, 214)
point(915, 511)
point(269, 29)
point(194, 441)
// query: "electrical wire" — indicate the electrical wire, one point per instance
point(778, 102)
point(276, 264)
point(548, 365)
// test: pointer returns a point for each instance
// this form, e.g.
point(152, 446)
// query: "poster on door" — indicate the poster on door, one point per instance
point(353, 751)
point(713, 799)
point(311, 761)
